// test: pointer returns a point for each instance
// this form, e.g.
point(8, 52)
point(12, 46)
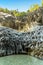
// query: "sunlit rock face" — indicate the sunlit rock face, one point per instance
point(14, 42)
point(24, 23)
point(7, 20)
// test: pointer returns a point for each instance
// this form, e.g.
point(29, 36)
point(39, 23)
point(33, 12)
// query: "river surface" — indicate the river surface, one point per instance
point(20, 60)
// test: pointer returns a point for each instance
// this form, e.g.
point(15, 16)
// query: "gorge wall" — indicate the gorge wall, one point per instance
point(24, 23)
point(29, 41)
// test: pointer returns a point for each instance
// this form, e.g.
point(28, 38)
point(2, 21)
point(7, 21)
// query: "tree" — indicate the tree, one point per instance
point(1, 9)
point(27, 10)
point(34, 7)
point(14, 12)
point(42, 2)
point(22, 13)
point(6, 10)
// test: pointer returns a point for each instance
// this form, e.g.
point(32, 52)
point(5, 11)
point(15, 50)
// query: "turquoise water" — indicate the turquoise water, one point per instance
point(20, 60)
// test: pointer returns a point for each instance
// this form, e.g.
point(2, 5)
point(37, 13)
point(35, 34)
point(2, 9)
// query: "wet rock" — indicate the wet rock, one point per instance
point(14, 42)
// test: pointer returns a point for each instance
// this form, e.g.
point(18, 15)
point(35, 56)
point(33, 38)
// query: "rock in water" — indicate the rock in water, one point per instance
point(14, 42)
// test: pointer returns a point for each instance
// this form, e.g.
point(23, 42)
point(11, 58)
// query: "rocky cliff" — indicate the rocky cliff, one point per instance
point(24, 23)
point(28, 42)
point(13, 42)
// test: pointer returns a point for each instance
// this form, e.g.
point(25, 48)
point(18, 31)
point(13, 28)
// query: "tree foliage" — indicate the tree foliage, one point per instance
point(21, 14)
point(34, 7)
point(42, 2)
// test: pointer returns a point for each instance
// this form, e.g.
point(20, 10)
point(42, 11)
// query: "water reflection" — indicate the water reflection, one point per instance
point(20, 60)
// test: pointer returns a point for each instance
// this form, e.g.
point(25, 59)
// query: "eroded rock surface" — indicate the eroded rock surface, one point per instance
point(23, 23)
point(13, 42)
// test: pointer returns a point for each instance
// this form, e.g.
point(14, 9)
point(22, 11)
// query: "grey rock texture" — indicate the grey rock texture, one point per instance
point(14, 42)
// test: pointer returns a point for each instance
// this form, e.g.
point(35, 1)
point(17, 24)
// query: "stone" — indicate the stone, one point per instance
point(14, 42)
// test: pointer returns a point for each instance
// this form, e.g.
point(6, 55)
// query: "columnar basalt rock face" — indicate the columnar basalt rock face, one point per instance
point(13, 42)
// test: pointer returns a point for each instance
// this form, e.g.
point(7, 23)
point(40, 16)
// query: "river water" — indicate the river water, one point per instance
point(20, 60)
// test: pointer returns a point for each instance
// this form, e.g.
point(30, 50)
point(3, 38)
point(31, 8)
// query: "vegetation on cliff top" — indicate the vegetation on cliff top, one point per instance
point(23, 20)
point(17, 13)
